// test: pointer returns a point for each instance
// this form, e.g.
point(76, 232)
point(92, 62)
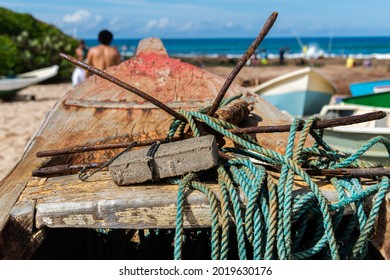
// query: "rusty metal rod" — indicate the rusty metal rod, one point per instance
point(64, 169)
point(258, 129)
point(246, 56)
point(82, 149)
point(227, 114)
point(318, 124)
point(345, 172)
point(67, 169)
point(124, 85)
point(358, 172)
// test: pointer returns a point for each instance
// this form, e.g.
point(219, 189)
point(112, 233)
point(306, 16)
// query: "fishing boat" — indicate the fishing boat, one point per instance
point(369, 87)
point(300, 93)
point(351, 138)
point(10, 86)
point(47, 198)
point(380, 99)
point(98, 112)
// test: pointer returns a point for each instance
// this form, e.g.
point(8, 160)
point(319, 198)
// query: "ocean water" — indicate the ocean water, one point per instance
point(358, 47)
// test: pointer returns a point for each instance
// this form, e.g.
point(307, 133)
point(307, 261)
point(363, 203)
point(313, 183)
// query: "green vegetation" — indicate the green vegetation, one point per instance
point(28, 44)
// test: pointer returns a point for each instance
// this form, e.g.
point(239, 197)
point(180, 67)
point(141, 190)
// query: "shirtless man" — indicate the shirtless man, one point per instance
point(103, 56)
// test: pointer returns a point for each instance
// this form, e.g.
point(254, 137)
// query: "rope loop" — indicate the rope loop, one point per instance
point(274, 222)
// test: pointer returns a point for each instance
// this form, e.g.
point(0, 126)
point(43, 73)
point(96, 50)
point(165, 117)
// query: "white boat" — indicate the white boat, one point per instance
point(350, 138)
point(300, 93)
point(10, 86)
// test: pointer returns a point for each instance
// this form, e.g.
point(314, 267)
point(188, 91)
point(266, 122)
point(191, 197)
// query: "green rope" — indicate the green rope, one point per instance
point(273, 224)
point(237, 214)
point(179, 215)
point(225, 221)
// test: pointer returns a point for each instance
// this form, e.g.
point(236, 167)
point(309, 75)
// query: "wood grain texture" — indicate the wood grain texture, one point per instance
point(99, 203)
point(20, 239)
point(8, 199)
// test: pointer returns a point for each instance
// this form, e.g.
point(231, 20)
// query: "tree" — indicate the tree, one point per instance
point(28, 44)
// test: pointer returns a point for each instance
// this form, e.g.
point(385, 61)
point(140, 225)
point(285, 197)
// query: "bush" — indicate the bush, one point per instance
point(8, 57)
point(31, 44)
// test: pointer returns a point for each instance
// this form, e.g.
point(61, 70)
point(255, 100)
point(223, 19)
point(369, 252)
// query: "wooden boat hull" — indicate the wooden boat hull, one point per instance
point(99, 112)
point(300, 93)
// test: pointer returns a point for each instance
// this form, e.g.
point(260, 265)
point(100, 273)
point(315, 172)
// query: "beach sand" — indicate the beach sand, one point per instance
point(20, 118)
point(333, 69)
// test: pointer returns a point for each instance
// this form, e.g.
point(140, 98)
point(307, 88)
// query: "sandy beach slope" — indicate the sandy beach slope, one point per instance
point(19, 119)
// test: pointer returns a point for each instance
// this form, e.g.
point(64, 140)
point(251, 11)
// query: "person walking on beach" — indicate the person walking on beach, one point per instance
point(81, 51)
point(103, 55)
point(281, 56)
point(78, 74)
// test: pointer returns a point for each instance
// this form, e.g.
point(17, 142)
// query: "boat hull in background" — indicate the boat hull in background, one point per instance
point(300, 93)
point(375, 100)
point(350, 138)
point(10, 86)
point(300, 103)
point(369, 87)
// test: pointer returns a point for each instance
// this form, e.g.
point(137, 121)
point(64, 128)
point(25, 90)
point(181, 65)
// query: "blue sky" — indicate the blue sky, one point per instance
point(210, 18)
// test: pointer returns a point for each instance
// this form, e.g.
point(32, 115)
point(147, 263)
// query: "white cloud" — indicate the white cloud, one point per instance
point(114, 21)
point(159, 24)
point(163, 23)
point(230, 24)
point(98, 19)
point(120, 24)
point(188, 26)
point(151, 24)
point(77, 16)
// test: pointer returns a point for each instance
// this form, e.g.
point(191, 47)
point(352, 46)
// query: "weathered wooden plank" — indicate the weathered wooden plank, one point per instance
point(381, 235)
point(99, 203)
point(105, 216)
point(20, 238)
point(23, 214)
point(133, 105)
point(8, 196)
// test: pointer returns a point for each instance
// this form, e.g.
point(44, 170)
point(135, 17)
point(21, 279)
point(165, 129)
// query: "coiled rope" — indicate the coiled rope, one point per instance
point(274, 224)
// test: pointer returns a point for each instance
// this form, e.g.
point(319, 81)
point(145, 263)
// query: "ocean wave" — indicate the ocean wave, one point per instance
point(313, 52)
point(234, 48)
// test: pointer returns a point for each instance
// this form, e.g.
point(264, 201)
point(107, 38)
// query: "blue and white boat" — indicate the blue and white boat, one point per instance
point(369, 87)
point(299, 93)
